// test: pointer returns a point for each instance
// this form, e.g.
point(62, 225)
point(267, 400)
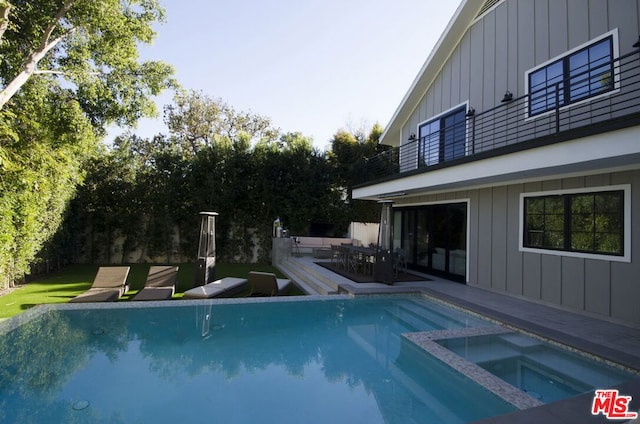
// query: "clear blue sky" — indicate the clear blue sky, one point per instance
point(312, 66)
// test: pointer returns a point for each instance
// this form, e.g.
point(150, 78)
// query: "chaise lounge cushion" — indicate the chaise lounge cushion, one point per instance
point(160, 284)
point(108, 285)
point(98, 295)
point(224, 287)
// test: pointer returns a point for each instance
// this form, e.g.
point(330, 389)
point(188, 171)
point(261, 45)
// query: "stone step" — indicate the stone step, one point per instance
point(307, 278)
point(327, 277)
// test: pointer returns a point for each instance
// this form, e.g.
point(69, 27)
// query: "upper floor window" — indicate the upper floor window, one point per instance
point(581, 74)
point(583, 222)
point(443, 138)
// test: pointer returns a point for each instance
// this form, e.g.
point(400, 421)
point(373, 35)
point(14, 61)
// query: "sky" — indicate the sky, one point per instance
point(311, 66)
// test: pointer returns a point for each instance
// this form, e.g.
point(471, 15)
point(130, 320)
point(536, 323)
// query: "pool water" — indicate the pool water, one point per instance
point(542, 370)
point(320, 361)
point(337, 360)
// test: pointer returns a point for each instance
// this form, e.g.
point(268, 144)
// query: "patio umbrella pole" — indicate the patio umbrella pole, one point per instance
point(383, 268)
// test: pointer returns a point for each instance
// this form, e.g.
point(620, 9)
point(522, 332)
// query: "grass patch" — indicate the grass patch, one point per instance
point(61, 286)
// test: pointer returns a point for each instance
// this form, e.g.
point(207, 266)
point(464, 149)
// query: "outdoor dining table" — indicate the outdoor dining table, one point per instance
point(357, 259)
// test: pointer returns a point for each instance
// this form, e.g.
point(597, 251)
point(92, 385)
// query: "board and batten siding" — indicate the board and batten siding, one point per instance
point(606, 288)
point(514, 37)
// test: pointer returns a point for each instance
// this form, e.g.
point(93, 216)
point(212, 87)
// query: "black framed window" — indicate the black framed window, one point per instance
point(443, 138)
point(577, 222)
point(577, 76)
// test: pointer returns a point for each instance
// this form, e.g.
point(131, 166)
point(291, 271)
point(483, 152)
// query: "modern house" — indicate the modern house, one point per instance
point(515, 159)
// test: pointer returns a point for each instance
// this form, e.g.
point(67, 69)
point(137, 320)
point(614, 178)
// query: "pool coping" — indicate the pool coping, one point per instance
point(427, 340)
point(530, 409)
point(612, 356)
point(561, 326)
point(568, 411)
point(14, 322)
point(574, 410)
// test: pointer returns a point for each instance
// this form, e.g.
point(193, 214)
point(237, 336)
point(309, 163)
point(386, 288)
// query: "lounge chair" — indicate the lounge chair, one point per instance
point(266, 284)
point(225, 287)
point(160, 284)
point(109, 284)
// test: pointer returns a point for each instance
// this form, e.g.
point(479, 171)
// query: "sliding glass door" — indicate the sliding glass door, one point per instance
point(434, 238)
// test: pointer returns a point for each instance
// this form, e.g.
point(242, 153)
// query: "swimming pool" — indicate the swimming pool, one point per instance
point(544, 371)
point(337, 359)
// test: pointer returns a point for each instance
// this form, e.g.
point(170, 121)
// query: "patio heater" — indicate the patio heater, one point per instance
point(383, 269)
point(206, 263)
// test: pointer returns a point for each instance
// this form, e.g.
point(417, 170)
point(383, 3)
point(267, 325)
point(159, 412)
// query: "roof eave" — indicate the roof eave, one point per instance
point(453, 33)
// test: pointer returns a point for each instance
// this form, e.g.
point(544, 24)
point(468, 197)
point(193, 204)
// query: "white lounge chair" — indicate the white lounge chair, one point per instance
point(225, 287)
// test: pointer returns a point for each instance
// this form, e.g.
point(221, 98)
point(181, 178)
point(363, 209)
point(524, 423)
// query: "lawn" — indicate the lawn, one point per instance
point(61, 286)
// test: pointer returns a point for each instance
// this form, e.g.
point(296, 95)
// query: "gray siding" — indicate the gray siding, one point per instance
point(558, 30)
point(625, 277)
point(572, 288)
point(516, 36)
point(597, 285)
point(499, 239)
point(610, 289)
point(514, 258)
point(490, 58)
point(474, 235)
point(485, 233)
point(551, 279)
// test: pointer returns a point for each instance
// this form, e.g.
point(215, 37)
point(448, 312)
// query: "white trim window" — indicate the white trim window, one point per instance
point(581, 74)
point(590, 223)
point(443, 138)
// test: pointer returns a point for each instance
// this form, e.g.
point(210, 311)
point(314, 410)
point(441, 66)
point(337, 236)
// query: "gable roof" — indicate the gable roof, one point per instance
point(468, 11)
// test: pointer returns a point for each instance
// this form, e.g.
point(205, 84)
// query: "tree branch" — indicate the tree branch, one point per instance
point(4, 17)
point(54, 23)
point(29, 68)
point(53, 72)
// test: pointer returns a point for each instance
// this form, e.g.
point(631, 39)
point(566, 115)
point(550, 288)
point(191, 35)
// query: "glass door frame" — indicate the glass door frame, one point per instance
point(450, 257)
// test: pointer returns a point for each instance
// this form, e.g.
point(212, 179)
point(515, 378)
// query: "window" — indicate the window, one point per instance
point(579, 75)
point(443, 138)
point(587, 222)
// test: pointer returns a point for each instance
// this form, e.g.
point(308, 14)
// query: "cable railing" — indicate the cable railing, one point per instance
point(596, 100)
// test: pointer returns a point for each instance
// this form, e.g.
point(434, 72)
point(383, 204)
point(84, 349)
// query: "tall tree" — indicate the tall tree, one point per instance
point(349, 152)
point(196, 120)
point(68, 69)
point(43, 144)
point(90, 44)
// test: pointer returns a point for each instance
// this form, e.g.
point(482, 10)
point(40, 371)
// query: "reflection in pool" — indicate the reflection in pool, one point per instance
point(542, 370)
point(334, 360)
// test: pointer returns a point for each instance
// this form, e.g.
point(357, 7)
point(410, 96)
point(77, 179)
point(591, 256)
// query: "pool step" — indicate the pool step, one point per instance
point(408, 319)
point(308, 277)
point(421, 318)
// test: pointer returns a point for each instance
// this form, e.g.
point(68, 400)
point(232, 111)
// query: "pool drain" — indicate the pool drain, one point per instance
point(98, 331)
point(80, 405)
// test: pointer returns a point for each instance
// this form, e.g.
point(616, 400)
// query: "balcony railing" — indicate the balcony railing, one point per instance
point(602, 101)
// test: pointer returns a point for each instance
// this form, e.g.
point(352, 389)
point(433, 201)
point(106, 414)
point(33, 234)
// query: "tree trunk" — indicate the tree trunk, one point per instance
point(4, 18)
point(16, 83)
point(30, 66)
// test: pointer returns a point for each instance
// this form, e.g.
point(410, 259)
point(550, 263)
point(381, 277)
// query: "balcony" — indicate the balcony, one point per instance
point(602, 102)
